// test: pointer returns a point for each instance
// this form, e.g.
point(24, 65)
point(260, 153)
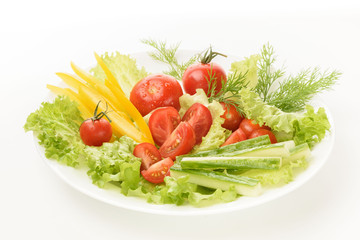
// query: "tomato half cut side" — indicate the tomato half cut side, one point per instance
point(158, 171)
point(235, 137)
point(180, 142)
point(148, 153)
point(162, 123)
point(248, 126)
point(261, 132)
point(199, 117)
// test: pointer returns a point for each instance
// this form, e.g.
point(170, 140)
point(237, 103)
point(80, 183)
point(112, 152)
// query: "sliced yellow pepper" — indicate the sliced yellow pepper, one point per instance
point(85, 113)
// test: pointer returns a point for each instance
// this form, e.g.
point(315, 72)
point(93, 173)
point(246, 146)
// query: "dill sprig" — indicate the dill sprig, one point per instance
point(229, 93)
point(266, 75)
point(294, 92)
point(167, 55)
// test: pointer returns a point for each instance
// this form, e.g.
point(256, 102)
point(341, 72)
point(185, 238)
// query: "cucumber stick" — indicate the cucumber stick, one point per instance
point(298, 152)
point(272, 150)
point(231, 163)
point(249, 143)
point(211, 179)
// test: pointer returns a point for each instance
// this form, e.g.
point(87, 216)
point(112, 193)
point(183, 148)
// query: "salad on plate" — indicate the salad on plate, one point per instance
point(195, 134)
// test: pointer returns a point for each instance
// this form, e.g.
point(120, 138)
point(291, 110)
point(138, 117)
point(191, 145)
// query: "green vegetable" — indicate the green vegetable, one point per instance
point(298, 152)
point(247, 67)
point(218, 180)
point(249, 143)
point(230, 162)
point(217, 134)
point(124, 68)
point(56, 125)
point(309, 127)
point(167, 55)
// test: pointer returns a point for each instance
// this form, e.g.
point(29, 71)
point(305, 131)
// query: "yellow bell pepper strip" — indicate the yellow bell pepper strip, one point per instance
point(71, 80)
point(130, 109)
point(108, 73)
point(84, 75)
point(85, 112)
point(120, 125)
point(133, 113)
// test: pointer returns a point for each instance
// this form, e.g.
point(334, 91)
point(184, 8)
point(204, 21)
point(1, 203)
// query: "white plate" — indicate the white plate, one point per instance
point(81, 182)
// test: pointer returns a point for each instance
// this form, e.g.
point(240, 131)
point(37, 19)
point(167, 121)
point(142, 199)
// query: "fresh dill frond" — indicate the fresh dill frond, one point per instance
point(295, 91)
point(167, 55)
point(229, 93)
point(266, 75)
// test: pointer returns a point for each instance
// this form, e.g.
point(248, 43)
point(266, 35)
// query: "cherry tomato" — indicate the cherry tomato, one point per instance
point(95, 132)
point(148, 153)
point(162, 123)
point(158, 90)
point(199, 117)
point(158, 171)
point(248, 126)
point(180, 142)
point(235, 137)
point(232, 117)
point(198, 76)
point(261, 132)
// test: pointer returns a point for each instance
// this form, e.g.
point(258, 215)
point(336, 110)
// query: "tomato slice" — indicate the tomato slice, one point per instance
point(261, 132)
point(148, 153)
point(248, 126)
point(199, 117)
point(235, 137)
point(180, 142)
point(232, 117)
point(158, 171)
point(162, 123)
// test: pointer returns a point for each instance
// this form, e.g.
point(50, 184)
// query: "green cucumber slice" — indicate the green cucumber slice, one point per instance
point(249, 143)
point(212, 179)
point(231, 163)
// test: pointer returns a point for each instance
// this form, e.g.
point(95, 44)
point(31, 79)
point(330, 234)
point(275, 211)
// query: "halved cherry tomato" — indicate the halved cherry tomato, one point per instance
point(235, 137)
point(261, 132)
point(199, 117)
point(162, 123)
point(248, 126)
point(158, 171)
point(148, 153)
point(157, 90)
point(180, 142)
point(232, 117)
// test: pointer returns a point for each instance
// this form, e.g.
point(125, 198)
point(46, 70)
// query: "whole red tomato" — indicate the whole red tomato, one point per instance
point(203, 74)
point(157, 90)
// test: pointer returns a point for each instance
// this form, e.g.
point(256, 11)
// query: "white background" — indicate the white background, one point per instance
point(39, 38)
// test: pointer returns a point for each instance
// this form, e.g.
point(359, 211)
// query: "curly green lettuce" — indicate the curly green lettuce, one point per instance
point(56, 125)
point(124, 69)
point(309, 127)
point(248, 66)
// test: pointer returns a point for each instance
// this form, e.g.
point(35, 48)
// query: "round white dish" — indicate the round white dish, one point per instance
point(78, 179)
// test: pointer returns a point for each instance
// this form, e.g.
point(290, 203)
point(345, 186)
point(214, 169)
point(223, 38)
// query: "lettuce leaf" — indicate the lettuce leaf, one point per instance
point(124, 69)
point(56, 125)
point(217, 134)
point(309, 127)
point(249, 66)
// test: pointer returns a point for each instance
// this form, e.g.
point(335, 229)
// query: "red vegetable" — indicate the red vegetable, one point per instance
point(261, 132)
point(235, 137)
point(199, 117)
point(156, 91)
point(162, 123)
point(200, 74)
point(158, 171)
point(148, 153)
point(232, 117)
point(180, 142)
